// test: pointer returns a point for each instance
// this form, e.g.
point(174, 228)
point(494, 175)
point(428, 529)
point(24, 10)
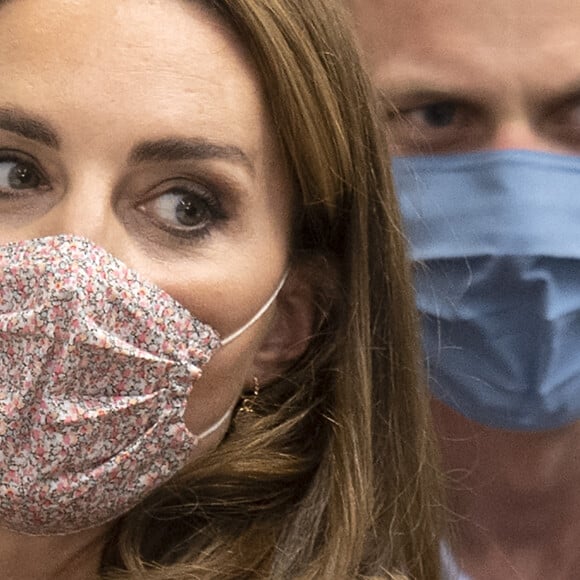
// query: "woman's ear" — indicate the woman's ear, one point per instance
point(292, 326)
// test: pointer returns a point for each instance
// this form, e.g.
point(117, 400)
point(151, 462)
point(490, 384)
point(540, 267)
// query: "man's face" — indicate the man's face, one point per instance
point(473, 75)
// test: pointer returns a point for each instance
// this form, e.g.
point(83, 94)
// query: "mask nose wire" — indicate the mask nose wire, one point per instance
point(258, 314)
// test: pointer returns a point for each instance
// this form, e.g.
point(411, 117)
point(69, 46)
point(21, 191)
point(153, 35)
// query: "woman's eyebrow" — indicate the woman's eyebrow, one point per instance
point(183, 149)
point(14, 120)
point(28, 126)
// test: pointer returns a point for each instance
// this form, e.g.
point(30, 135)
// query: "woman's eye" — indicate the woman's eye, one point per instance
point(19, 175)
point(184, 212)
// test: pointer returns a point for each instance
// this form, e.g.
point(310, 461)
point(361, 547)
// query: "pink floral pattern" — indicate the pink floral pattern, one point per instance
point(96, 365)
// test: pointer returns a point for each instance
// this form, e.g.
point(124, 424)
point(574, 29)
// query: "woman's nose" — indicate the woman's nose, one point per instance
point(86, 213)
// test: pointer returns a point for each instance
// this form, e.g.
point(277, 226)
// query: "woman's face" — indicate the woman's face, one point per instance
point(141, 126)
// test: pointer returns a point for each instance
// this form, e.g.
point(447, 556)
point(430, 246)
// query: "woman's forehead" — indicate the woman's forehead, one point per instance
point(126, 36)
point(155, 68)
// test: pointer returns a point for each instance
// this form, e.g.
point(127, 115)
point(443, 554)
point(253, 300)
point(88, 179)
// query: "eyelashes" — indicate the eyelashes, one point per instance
point(176, 208)
point(435, 126)
point(437, 115)
point(186, 210)
point(452, 124)
point(19, 175)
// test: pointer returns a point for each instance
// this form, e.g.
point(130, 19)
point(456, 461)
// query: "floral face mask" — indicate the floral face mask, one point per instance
point(96, 366)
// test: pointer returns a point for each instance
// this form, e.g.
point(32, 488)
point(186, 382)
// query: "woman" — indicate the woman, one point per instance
point(227, 153)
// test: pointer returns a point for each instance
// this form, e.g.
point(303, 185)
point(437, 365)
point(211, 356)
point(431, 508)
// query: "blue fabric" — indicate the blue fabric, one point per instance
point(497, 239)
point(491, 203)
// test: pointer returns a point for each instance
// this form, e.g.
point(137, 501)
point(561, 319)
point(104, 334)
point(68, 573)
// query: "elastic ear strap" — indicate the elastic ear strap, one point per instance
point(215, 426)
point(258, 314)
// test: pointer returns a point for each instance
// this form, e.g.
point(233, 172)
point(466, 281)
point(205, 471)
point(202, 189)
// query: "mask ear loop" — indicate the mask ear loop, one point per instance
point(258, 314)
point(214, 427)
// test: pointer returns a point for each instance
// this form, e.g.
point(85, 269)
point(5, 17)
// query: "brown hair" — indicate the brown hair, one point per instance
point(332, 476)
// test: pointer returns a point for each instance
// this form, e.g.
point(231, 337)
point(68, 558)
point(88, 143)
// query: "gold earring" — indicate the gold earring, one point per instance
point(249, 401)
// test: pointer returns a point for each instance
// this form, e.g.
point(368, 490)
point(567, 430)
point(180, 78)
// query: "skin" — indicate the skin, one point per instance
point(106, 77)
point(469, 76)
point(507, 71)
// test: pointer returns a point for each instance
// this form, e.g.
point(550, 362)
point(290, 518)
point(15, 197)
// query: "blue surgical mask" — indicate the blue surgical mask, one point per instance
point(496, 240)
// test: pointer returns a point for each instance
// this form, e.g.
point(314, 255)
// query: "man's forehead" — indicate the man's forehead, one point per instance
point(458, 30)
point(406, 16)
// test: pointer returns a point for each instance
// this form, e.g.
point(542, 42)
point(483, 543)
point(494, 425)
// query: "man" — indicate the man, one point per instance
point(482, 104)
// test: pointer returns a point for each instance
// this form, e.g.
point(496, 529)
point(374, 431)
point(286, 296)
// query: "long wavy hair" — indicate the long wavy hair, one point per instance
point(332, 475)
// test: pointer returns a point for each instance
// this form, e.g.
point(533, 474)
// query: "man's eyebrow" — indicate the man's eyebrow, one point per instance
point(178, 149)
point(31, 127)
point(414, 95)
point(554, 99)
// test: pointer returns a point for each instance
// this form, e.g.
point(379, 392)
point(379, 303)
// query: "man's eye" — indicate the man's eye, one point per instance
point(437, 115)
point(184, 212)
point(432, 116)
point(19, 175)
point(436, 127)
point(562, 124)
